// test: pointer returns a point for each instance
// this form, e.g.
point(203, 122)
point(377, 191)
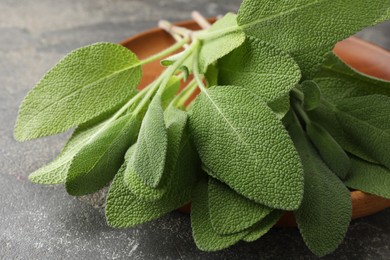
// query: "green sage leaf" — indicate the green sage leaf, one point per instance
point(177, 140)
point(262, 68)
point(214, 48)
point(331, 152)
point(124, 209)
point(296, 26)
point(245, 145)
point(98, 161)
point(80, 87)
point(261, 228)
point(312, 95)
point(205, 237)
point(367, 120)
point(231, 212)
point(338, 81)
point(326, 116)
point(324, 215)
point(151, 150)
point(369, 177)
point(56, 171)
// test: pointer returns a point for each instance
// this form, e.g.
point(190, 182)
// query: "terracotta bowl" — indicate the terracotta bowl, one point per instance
point(361, 55)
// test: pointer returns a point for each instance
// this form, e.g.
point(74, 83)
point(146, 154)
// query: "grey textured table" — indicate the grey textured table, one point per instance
point(39, 222)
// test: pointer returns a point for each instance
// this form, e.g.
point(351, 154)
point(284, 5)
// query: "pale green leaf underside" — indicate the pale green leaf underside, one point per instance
point(339, 81)
point(245, 145)
point(366, 120)
point(81, 86)
point(231, 212)
point(370, 178)
point(308, 29)
point(261, 228)
point(324, 215)
point(205, 237)
point(217, 47)
point(262, 68)
point(151, 150)
point(98, 161)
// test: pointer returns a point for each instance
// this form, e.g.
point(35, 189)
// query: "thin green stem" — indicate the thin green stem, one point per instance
point(299, 110)
point(185, 94)
point(197, 75)
point(166, 52)
point(162, 80)
point(122, 110)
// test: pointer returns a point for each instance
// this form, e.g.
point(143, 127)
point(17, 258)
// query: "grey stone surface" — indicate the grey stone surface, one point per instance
point(43, 222)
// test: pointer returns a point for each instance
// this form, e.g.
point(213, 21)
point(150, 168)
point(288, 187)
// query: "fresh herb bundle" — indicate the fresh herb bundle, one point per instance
point(280, 124)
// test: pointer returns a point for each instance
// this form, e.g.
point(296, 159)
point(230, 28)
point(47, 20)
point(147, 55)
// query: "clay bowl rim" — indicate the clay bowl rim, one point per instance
point(363, 204)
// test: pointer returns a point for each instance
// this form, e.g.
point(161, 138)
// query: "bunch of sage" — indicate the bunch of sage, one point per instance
point(280, 123)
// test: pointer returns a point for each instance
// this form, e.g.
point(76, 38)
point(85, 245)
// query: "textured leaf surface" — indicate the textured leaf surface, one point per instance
point(231, 212)
point(261, 228)
point(170, 91)
point(297, 27)
point(124, 209)
point(331, 152)
point(312, 95)
point(215, 48)
point(324, 215)
point(262, 68)
point(177, 140)
point(245, 145)
point(326, 116)
point(339, 81)
point(369, 177)
point(367, 120)
point(55, 172)
point(205, 237)
point(280, 106)
point(151, 150)
point(81, 86)
point(98, 161)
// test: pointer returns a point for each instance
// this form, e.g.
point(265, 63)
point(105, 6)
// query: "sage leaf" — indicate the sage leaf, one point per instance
point(124, 209)
point(56, 171)
point(296, 27)
point(326, 116)
point(211, 75)
point(80, 87)
point(261, 228)
point(231, 212)
point(262, 68)
point(330, 151)
point(339, 81)
point(98, 161)
point(366, 120)
point(369, 177)
point(280, 106)
point(170, 91)
point(214, 48)
point(205, 237)
point(150, 154)
point(312, 95)
point(324, 215)
point(176, 122)
point(245, 145)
